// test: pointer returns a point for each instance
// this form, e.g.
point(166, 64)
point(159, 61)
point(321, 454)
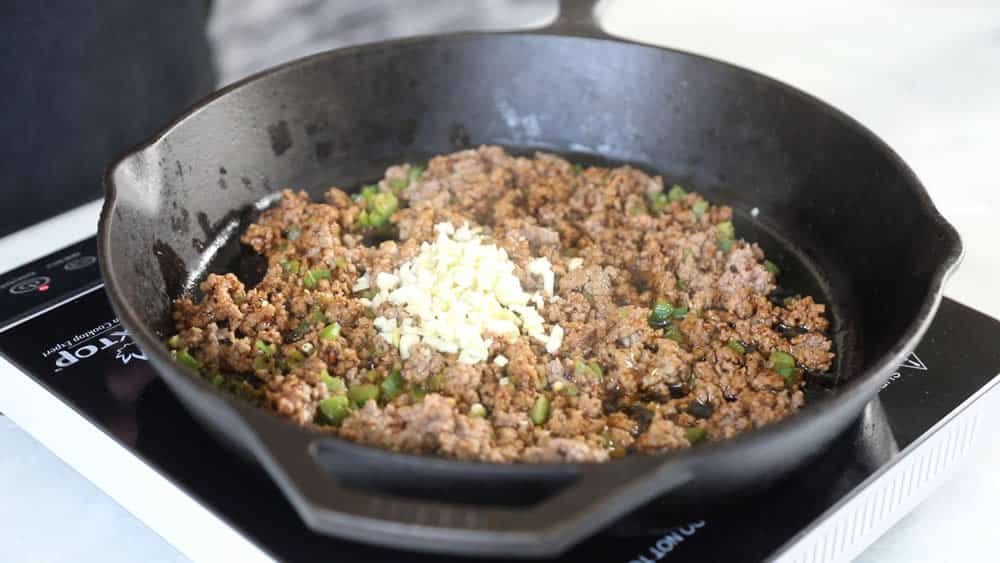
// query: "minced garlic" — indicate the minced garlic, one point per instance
point(456, 292)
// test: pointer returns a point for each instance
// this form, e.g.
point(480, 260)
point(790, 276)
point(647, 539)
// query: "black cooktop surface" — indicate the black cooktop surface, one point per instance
point(79, 352)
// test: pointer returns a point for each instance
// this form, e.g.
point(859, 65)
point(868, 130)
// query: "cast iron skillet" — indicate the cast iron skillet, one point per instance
point(838, 210)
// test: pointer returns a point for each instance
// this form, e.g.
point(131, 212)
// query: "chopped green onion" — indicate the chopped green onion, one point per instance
point(577, 169)
point(724, 244)
point(694, 435)
point(657, 202)
point(334, 384)
point(290, 266)
point(363, 220)
point(360, 394)
point(596, 369)
point(265, 348)
point(570, 390)
point(737, 347)
point(415, 172)
point(699, 208)
point(318, 316)
point(393, 385)
point(676, 193)
point(262, 363)
point(477, 410)
point(294, 358)
point(436, 382)
point(340, 263)
point(184, 357)
point(540, 410)
point(300, 330)
point(334, 409)
point(175, 341)
point(312, 276)
point(781, 360)
point(636, 210)
point(398, 184)
point(673, 332)
point(679, 312)
point(383, 205)
point(726, 230)
point(772, 267)
point(330, 332)
point(791, 375)
point(417, 394)
point(293, 232)
point(661, 313)
point(367, 193)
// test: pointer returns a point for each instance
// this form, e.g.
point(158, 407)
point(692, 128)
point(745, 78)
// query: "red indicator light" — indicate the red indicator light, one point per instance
point(43, 287)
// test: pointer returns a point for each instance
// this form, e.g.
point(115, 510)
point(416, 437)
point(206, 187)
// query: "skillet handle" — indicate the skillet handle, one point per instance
point(599, 495)
point(576, 17)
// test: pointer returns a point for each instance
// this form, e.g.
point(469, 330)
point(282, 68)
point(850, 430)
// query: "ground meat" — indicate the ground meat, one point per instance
point(623, 379)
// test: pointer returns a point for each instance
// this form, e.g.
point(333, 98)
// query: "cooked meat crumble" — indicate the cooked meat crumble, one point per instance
point(603, 315)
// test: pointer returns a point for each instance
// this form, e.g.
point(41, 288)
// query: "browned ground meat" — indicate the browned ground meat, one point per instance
point(617, 244)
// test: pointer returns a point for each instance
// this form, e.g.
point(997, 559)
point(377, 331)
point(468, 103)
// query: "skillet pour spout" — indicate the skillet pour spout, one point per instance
point(832, 199)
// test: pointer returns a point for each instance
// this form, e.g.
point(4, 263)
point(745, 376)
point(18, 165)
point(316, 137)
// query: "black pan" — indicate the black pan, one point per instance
point(838, 210)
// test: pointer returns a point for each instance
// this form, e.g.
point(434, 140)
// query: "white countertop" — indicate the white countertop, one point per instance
point(924, 78)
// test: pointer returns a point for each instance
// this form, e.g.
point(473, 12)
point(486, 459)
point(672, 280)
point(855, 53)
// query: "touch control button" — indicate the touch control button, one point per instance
point(29, 285)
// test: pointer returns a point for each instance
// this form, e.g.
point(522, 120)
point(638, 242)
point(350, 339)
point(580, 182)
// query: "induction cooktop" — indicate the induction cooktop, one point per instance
point(76, 381)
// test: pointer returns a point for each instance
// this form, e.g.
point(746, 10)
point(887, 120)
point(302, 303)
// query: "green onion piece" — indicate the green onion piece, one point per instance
point(570, 390)
point(577, 169)
point(398, 184)
point(300, 330)
point(334, 409)
point(217, 379)
point(417, 394)
point(726, 230)
point(657, 202)
point(340, 263)
point(724, 244)
point(335, 385)
point(699, 208)
point(415, 172)
point(383, 205)
point(330, 332)
point(363, 220)
point(540, 410)
point(772, 267)
point(294, 357)
point(312, 276)
point(318, 316)
point(477, 410)
point(694, 435)
point(673, 332)
point(265, 348)
point(679, 312)
point(596, 369)
point(792, 376)
point(676, 193)
point(175, 341)
point(184, 357)
point(781, 360)
point(636, 210)
point(737, 347)
point(393, 385)
point(293, 232)
point(360, 394)
point(367, 193)
point(262, 363)
point(661, 313)
point(435, 382)
point(290, 266)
